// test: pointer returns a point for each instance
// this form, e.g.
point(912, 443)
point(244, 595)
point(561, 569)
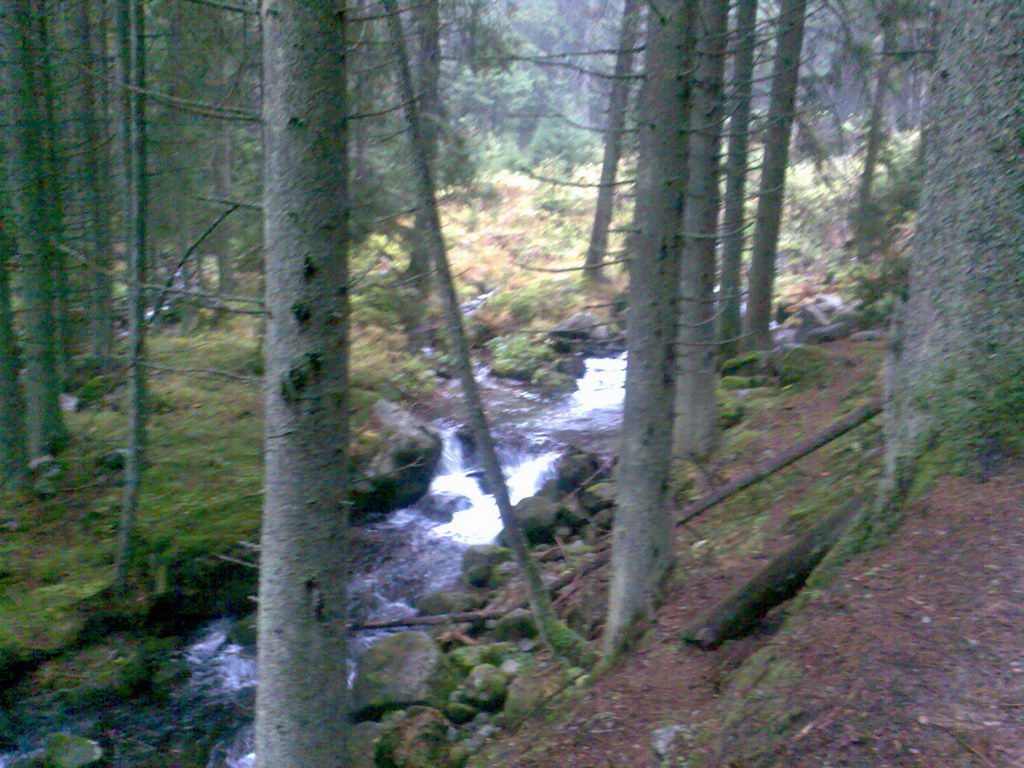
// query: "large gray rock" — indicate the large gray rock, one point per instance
point(399, 671)
point(537, 516)
point(399, 474)
point(668, 745)
point(582, 331)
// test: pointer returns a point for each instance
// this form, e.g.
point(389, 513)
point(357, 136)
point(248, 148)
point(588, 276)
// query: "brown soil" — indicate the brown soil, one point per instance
point(909, 655)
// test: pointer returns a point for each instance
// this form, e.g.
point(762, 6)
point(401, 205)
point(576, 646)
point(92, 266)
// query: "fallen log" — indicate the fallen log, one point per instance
point(777, 582)
point(810, 445)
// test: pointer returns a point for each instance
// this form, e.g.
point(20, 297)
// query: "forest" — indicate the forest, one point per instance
point(576, 383)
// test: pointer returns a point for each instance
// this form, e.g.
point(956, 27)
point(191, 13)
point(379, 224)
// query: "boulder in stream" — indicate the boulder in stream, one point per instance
point(64, 750)
point(400, 472)
point(401, 670)
point(479, 561)
point(538, 517)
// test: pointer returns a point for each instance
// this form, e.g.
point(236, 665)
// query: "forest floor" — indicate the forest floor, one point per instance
point(909, 653)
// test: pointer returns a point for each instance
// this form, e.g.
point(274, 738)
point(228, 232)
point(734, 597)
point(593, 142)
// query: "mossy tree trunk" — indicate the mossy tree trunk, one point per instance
point(643, 532)
point(301, 701)
point(557, 635)
point(768, 221)
point(695, 426)
point(734, 217)
point(956, 367)
point(13, 447)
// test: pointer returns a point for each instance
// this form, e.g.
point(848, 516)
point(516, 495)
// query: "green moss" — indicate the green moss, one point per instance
point(730, 412)
point(800, 365)
point(519, 356)
point(749, 364)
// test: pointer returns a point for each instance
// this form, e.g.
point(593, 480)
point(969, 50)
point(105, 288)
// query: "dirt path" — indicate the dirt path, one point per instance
point(913, 655)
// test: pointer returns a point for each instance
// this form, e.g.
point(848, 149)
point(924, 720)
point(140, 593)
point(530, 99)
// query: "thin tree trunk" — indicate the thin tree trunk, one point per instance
point(428, 27)
point(695, 427)
point(13, 445)
point(618, 108)
point(222, 159)
point(97, 186)
point(734, 223)
point(45, 427)
point(866, 218)
point(785, 77)
point(558, 637)
point(133, 42)
point(302, 698)
point(643, 534)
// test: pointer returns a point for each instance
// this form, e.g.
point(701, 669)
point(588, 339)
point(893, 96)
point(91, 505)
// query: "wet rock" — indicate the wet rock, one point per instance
point(537, 517)
point(583, 331)
point(362, 744)
point(575, 468)
point(416, 739)
point(438, 603)
point(571, 365)
point(401, 670)
point(552, 381)
point(570, 517)
point(243, 632)
point(486, 687)
point(515, 625)
point(479, 561)
point(66, 751)
point(441, 507)
point(400, 472)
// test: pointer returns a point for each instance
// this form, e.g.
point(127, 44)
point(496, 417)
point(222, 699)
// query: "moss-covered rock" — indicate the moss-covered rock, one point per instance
point(730, 412)
point(486, 687)
point(362, 741)
point(478, 562)
point(438, 603)
point(415, 739)
point(534, 686)
point(538, 517)
point(401, 670)
point(515, 625)
point(66, 751)
point(519, 356)
point(800, 365)
point(750, 364)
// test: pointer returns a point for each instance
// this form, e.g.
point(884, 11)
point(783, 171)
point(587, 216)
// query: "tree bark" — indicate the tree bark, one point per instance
point(734, 219)
point(618, 108)
point(45, 427)
point(955, 365)
point(785, 77)
point(866, 217)
point(302, 698)
point(558, 637)
point(96, 183)
point(777, 582)
point(642, 535)
point(695, 425)
point(13, 445)
point(133, 49)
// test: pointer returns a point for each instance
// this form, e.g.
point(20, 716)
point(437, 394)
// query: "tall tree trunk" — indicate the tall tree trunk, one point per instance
point(866, 219)
point(222, 159)
point(557, 636)
point(695, 427)
point(13, 445)
point(302, 698)
point(426, 14)
point(956, 367)
point(781, 110)
point(734, 219)
point(133, 51)
point(643, 532)
point(96, 169)
point(618, 108)
point(46, 431)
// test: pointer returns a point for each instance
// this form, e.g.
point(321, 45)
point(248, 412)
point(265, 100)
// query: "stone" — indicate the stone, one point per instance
point(402, 670)
point(750, 364)
point(575, 468)
point(730, 412)
point(486, 687)
point(362, 744)
point(515, 625)
point(115, 460)
point(400, 472)
point(243, 632)
point(800, 365)
point(66, 751)
point(571, 365)
point(809, 318)
point(597, 497)
point(530, 690)
point(537, 517)
point(459, 712)
point(479, 561)
point(418, 738)
point(832, 332)
point(668, 745)
point(868, 336)
point(438, 603)
point(581, 331)
point(440, 507)
point(503, 574)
